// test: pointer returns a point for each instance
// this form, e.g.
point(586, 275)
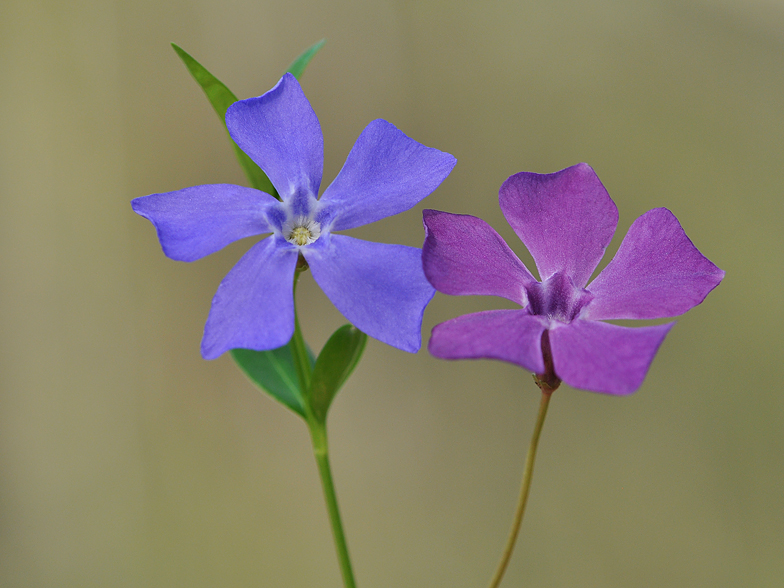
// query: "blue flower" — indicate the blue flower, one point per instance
point(379, 288)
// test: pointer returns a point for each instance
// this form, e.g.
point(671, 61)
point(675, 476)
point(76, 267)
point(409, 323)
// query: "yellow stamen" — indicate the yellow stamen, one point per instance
point(301, 236)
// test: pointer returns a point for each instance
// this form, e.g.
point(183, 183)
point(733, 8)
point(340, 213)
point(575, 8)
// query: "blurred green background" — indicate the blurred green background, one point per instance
point(127, 460)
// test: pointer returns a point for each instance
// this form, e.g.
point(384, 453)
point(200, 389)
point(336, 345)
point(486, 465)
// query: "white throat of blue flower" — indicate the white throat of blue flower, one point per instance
point(301, 230)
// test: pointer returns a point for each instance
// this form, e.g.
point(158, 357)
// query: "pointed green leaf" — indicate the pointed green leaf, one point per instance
point(218, 94)
point(221, 98)
point(334, 365)
point(298, 66)
point(273, 371)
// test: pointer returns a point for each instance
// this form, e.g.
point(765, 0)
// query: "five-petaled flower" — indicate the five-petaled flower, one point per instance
point(566, 220)
point(380, 288)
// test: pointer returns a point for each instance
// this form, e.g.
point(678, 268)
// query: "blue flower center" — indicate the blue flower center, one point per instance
point(557, 298)
point(300, 221)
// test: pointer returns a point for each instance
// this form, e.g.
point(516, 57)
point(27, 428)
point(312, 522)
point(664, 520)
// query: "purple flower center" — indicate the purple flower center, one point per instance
point(557, 298)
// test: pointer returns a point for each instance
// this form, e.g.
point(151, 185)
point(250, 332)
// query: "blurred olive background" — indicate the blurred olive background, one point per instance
point(127, 460)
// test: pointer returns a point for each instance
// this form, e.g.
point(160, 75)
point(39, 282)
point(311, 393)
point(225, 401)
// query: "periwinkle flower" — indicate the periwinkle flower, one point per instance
point(566, 220)
point(380, 288)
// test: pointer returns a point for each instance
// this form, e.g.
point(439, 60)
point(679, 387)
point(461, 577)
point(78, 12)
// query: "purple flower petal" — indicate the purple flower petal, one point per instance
point(254, 305)
point(602, 357)
point(509, 335)
point(195, 222)
point(379, 288)
point(281, 133)
point(656, 273)
point(464, 255)
point(386, 173)
point(566, 219)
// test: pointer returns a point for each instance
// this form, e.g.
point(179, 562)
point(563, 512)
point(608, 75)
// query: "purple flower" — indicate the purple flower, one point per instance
point(566, 219)
point(380, 288)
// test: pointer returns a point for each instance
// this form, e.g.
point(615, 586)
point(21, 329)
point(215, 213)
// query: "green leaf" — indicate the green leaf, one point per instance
point(221, 98)
point(273, 371)
point(298, 66)
point(334, 365)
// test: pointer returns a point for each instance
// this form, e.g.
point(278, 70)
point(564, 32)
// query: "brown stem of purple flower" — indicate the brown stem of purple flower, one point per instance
point(548, 382)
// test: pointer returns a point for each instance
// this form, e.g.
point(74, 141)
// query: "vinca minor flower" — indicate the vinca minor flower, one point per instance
point(380, 288)
point(566, 220)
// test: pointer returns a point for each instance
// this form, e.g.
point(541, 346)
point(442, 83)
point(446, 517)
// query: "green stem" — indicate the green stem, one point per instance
point(525, 488)
point(299, 350)
point(318, 435)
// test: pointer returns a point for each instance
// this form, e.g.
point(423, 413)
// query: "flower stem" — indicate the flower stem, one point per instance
point(318, 435)
point(524, 489)
point(299, 350)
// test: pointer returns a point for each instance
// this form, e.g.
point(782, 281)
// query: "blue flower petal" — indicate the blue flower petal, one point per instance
point(254, 305)
point(280, 132)
point(195, 222)
point(386, 173)
point(379, 288)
